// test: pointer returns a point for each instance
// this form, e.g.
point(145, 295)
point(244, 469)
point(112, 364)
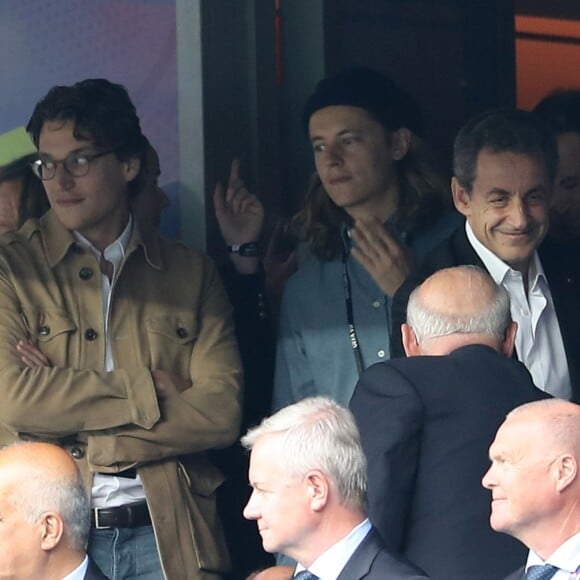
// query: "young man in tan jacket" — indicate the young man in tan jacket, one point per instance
point(130, 360)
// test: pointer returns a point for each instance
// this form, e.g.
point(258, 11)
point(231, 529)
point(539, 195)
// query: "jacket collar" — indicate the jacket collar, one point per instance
point(58, 241)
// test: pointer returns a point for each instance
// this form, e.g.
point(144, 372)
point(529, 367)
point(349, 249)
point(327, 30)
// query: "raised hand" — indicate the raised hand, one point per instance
point(239, 213)
point(382, 256)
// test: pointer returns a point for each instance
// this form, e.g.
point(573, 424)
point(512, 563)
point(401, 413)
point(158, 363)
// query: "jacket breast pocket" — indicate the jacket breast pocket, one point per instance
point(171, 341)
point(51, 331)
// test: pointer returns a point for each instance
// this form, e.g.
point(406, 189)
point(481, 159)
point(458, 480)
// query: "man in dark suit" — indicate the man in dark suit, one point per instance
point(308, 475)
point(45, 515)
point(535, 483)
point(426, 422)
point(504, 164)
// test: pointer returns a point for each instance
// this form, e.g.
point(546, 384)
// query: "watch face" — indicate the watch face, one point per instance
point(249, 250)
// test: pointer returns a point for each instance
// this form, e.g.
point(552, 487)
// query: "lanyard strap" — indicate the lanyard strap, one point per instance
point(350, 316)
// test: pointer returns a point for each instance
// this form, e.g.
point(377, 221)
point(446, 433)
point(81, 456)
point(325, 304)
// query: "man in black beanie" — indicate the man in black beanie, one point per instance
point(367, 213)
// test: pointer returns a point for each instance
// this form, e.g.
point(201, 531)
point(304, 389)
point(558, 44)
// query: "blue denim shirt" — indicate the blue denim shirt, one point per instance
point(314, 353)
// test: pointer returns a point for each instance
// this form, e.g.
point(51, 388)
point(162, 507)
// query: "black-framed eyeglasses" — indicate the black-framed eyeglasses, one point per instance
point(76, 164)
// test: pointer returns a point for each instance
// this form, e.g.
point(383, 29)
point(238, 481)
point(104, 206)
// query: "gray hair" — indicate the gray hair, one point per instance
point(43, 492)
point(492, 321)
point(318, 433)
point(504, 130)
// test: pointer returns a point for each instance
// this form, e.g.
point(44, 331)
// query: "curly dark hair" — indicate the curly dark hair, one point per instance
point(101, 111)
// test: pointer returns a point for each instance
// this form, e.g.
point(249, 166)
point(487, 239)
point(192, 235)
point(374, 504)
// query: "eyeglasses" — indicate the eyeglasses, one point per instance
point(76, 164)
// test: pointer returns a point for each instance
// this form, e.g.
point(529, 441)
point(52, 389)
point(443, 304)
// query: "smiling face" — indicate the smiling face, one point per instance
point(279, 504)
point(523, 490)
point(508, 205)
point(355, 160)
point(96, 203)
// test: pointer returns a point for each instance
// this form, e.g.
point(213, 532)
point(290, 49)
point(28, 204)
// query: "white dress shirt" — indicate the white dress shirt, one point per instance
point(79, 572)
point(566, 557)
point(539, 343)
point(329, 565)
point(109, 490)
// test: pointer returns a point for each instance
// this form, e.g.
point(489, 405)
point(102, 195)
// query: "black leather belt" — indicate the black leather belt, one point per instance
point(131, 515)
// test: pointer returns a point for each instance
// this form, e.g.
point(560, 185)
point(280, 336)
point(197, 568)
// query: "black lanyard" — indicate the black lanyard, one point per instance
point(350, 316)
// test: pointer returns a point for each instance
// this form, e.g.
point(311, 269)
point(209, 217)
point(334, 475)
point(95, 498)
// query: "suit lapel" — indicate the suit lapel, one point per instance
point(360, 562)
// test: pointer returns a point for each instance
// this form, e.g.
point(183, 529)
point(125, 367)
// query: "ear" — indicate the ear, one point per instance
point(410, 342)
point(400, 143)
point(461, 197)
point(565, 471)
point(52, 530)
point(132, 168)
point(317, 488)
point(508, 344)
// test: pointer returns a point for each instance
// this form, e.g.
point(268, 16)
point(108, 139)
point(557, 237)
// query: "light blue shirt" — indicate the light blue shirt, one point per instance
point(314, 353)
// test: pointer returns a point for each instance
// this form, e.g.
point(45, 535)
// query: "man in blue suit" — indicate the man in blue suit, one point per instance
point(44, 515)
point(426, 422)
point(534, 479)
point(308, 475)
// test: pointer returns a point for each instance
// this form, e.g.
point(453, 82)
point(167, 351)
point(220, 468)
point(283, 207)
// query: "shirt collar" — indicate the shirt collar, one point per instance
point(114, 252)
point(57, 240)
point(79, 572)
point(566, 557)
point(329, 564)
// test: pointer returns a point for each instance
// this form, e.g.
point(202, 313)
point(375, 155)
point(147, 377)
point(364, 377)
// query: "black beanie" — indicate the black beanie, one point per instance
point(370, 90)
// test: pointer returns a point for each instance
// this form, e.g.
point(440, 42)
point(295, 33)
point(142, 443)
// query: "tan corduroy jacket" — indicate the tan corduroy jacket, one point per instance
point(169, 311)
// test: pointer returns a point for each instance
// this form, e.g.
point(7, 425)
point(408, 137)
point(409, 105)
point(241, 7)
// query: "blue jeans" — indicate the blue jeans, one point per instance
point(126, 553)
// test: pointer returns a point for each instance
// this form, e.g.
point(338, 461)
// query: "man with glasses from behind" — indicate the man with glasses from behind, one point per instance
point(125, 351)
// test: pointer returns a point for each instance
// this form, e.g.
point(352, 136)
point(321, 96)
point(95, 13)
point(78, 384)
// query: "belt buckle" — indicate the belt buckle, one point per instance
point(97, 522)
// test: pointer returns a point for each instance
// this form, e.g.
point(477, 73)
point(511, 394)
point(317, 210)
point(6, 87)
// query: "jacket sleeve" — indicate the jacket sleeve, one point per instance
point(388, 413)
point(293, 378)
point(256, 340)
point(205, 416)
point(57, 402)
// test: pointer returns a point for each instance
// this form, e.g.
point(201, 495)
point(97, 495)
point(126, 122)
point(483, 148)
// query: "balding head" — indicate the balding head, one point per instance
point(45, 509)
point(27, 459)
point(455, 307)
point(534, 475)
point(556, 423)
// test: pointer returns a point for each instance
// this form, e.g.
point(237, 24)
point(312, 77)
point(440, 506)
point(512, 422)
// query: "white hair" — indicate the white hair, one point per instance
point(43, 492)
point(318, 433)
point(493, 321)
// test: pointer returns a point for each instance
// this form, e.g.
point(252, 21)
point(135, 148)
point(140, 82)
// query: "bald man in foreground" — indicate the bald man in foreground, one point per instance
point(44, 515)
point(535, 483)
point(426, 423)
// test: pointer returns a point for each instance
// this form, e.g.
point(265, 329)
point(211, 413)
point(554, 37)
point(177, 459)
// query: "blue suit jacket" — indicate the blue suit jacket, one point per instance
point(519, 574)
point(372, 561)
point(426, 424)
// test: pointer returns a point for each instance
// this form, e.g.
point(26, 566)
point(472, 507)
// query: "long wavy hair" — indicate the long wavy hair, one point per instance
point(423, 196)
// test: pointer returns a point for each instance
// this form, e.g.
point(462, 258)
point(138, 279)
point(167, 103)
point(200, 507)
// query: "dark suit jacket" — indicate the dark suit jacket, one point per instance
point(426, 424)
point(372, 562)
point(94, 573)
point(563, 278)
point(519, 574)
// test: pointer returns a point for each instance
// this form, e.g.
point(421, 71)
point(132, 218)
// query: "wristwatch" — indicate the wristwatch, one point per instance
point(247, 250)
